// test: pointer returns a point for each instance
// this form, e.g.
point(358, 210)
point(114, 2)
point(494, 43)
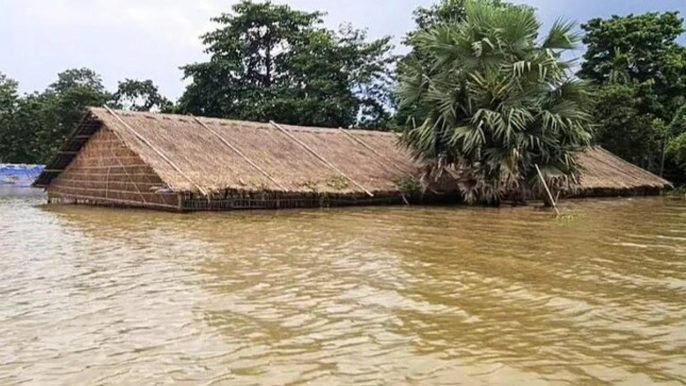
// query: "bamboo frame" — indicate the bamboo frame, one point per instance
point(111, 191)
point(159, 152)
point(102, 202)
point(370, 148)
point(246, 200)
point(102, 175)
point(55, 160)
point(104, 167)
point(107, 186)
point(135, 185)
point(314, 153)
point(237, 151)
point(116, 175)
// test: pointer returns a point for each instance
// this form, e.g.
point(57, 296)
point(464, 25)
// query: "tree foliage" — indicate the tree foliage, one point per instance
point(67, 99)
point(677, 150)
point(270, 62)
point(676, 141)
point(140, 95)
point(34, 126)
point(639, 69)
point(624, 128)
point(442, 12)
point(9, 101)
point(642, 50)
point(496, 102)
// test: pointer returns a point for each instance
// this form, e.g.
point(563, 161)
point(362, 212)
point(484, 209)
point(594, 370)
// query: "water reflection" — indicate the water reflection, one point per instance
point(374, 295)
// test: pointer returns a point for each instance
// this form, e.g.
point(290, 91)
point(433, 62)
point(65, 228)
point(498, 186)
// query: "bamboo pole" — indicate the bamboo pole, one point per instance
point(121, 201)
point(314, 153)
point(135, 185)
point(237, 151)
point(664, 153)
point(159, 152)
point(107, 186)
point(550, 195)
point(405, 199)
point(368, 147)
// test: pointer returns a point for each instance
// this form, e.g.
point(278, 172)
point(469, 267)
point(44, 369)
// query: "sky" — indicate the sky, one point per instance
point(151, 39)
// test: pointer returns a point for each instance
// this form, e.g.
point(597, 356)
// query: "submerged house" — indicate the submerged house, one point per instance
point(185, 163)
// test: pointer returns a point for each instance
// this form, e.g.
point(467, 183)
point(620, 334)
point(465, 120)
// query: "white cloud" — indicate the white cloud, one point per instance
point(117, 38)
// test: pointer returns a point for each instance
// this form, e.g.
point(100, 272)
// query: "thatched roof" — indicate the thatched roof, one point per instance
point(604, 170)
point(210, 155)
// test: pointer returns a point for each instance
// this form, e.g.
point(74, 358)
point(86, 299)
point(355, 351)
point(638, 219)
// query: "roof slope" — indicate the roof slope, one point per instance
point(210, 155)
point(604, 170)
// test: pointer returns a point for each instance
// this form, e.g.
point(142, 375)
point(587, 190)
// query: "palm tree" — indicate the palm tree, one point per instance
point(496, 102)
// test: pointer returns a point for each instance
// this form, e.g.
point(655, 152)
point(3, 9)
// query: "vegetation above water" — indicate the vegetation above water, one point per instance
point(269, 61)
point(639, 70)
point(484, 95)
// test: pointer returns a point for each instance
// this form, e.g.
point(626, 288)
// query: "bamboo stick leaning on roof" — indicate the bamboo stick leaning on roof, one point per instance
point(370, 148)
point(314, 153)
point(235, 149)
point(545, 185)
point(159, 152)
point(383, 158)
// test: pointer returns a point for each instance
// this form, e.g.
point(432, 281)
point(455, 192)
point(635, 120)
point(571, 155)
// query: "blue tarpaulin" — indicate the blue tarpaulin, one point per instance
point(18, 174)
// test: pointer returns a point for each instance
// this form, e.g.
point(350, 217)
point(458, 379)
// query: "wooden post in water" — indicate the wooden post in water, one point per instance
point(550, 195)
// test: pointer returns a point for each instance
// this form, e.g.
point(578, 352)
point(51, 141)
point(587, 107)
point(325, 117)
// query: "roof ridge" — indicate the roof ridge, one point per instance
point(223, 121)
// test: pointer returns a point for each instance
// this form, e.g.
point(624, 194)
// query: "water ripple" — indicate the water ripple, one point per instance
point(367, 296)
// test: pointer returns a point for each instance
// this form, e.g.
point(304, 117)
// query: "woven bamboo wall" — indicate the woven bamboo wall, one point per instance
point(235, 200)
point(106, 172)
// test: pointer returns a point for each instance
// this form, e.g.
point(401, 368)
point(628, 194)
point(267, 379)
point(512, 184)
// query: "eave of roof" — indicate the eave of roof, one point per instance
point(70, 149)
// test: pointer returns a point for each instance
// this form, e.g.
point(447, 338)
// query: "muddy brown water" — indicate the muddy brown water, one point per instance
point(416, 296)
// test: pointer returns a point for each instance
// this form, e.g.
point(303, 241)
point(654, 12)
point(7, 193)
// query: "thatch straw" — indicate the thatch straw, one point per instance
point(209, 164)
point(604, 170)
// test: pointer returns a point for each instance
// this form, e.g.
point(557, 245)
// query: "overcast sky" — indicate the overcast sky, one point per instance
point(151, 39)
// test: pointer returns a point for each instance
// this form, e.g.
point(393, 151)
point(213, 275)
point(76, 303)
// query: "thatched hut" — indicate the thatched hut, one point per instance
point(184, 163)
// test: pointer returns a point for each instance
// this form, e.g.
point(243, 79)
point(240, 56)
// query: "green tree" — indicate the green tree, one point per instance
point(270, 62)
point(137, 95)
point(34, 126)
point(62, 106)
point(624, 128)
point(640, 72)
point(9, 136)
point(426, 18)
point(496, 103)
point(444, 12)
point(644, 50)
point(676, 149)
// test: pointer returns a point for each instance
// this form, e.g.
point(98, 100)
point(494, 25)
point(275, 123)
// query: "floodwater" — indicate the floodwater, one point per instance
point(371, 296)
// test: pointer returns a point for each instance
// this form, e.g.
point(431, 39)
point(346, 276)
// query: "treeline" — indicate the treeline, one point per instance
point(271, 62)
point(33, 126)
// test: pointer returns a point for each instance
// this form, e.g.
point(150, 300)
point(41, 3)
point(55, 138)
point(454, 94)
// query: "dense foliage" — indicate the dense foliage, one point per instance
point(441, 13)
point(269, 62)
point(33, 126)
point(139, 95)
point(640, 72)
point(495, 101)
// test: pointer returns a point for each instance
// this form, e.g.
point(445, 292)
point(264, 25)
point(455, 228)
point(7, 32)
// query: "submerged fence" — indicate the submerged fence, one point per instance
point(19, 174)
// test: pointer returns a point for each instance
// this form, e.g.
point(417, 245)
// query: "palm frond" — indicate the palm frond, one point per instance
point(562, 36)
point(496, 102)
